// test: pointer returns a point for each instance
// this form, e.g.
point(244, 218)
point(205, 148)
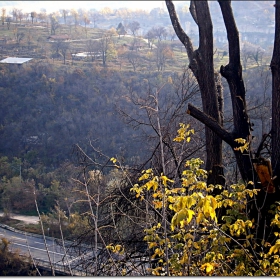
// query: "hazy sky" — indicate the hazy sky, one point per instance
point(51, 6)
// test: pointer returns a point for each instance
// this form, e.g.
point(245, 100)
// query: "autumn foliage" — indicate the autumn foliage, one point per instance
point(192, 240)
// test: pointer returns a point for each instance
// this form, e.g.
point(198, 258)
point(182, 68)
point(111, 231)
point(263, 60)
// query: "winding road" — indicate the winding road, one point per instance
point(43, 252)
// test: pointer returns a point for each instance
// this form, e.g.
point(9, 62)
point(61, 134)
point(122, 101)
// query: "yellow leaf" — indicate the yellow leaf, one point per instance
point(196, 246)
point(144, 177)
point(158, 252)
point(178, 139)
point(213, 202)
point(190, 214)
point(152, 245)
point(265, 263)
point(240, 140)
point(190, 201)
point(170, 198)
point(208, 266)
point(118, 247)
point(212, 214)
point(158, 204)
point(150, 184)
point(251, 194)
point(199, 217)
point(110, 247)
point(181, 215)
point(165, 180)
point(274, 249)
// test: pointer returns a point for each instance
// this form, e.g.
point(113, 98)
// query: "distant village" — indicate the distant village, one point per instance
point(256, 28)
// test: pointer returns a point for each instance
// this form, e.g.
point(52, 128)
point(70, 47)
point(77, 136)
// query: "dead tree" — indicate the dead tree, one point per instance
point(275, 129)
point(201, 64)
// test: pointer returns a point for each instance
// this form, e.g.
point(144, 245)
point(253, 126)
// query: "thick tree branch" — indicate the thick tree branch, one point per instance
point(193, 12)
point(233, 73)
point(243, 160)
point(183, 37)
point(275, 70)
point(232, 32)
point(211, 123)
point(201, 64)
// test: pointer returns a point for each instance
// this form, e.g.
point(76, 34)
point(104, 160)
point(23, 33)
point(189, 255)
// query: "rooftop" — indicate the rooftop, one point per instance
point(15, 60)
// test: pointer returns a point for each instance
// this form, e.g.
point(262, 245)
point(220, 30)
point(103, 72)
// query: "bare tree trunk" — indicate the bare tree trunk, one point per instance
point(259, 208)
point(275, 130)
point(265, 199)
point(233, 74)
point(201, 64)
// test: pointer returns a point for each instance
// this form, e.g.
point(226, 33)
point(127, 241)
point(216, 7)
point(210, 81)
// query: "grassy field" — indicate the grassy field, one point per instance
point(35, 44)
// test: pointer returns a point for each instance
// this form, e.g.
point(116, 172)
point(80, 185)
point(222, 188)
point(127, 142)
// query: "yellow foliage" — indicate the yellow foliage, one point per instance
point(158, 204)
point(196, 244)
point(113, 160)
point(244, 147)
point(240, 141)
point(208, 267)
point(184, 133)
point(165, 180)
point(275, 249)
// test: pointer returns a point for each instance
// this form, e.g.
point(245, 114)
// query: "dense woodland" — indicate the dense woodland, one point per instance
point(77, 133)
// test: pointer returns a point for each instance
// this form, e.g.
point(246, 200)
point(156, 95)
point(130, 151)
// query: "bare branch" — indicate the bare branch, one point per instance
point(193, 11)
point(183, 37)
point(211, 123)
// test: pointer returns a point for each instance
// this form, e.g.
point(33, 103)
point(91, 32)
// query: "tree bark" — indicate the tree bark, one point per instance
point(266, 199)
point(201, 64)
point(229, 137)
point(270, 198)
point(233, 74)
point(275, 129)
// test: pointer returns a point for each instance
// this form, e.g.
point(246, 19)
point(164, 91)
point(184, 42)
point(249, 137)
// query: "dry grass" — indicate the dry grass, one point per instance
point(38, 40)
point(20, 225)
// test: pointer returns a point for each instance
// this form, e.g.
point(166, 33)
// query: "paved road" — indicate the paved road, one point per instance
point(44, 254)
point(35, 246)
